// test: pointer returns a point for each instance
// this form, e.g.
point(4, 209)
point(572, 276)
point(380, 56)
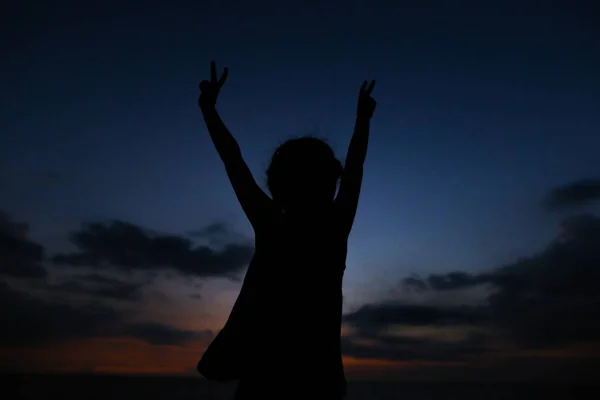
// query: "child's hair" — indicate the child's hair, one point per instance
point(301, 163)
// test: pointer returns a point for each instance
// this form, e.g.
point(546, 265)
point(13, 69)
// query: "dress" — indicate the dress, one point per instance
point(283, 334)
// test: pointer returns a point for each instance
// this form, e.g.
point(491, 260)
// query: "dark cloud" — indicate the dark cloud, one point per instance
point(548, 300)
point(415, 282)
point(371, 322)
point(19, 257)
point(383, 315)
point(29, 320)
point(398, 348)
point(574, 194)
point(212, 230)
point(217, 234)
point(100, 286)
point(451, 281)
point(32, 320)
point(129, 247)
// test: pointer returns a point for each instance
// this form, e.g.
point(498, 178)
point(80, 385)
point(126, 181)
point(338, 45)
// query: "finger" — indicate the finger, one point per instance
point(370, 87)
point(363, 87)
point(213, 71)
point(223, 77)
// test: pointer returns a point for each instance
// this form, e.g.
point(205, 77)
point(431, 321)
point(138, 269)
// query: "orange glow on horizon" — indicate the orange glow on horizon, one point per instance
point(114, 355)
point(132, 356)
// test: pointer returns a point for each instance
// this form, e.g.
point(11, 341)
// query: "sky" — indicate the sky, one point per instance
point(474, 253)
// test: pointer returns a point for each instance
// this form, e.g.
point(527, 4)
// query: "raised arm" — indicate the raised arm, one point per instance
point(346, 201)
point(253, 200)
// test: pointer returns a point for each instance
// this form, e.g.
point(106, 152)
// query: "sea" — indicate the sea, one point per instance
point(103, 387)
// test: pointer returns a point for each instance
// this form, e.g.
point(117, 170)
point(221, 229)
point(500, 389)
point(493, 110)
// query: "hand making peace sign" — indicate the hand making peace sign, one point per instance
point(209, 90)
point(366, 103)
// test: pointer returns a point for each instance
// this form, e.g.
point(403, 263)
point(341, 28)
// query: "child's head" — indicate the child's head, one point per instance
point(303, 174)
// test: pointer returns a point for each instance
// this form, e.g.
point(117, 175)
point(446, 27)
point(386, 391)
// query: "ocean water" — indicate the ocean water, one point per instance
point(91, 387)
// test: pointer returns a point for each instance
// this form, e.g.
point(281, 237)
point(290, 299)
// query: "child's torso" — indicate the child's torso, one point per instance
point(289, 309)
point(302, 264)
point(302, 248)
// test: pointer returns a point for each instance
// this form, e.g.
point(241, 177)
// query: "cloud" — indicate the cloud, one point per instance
point(99, 286)
point(217, 234)
point(548, 300)
point(212, 230)
point(128, 247)
point(398, 348)
point(450, 281)
point(31, 320)
point(382, 315)
point(373, 335)
point(65, 305)
point(19, 257)
point(573, 194)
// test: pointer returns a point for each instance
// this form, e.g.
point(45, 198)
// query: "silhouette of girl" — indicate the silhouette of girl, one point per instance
point(282, 338)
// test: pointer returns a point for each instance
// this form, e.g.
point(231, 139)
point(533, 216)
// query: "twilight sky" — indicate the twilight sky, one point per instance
point(475, 247)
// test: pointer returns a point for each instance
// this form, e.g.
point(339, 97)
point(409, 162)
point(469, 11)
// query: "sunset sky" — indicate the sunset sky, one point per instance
point(476, 248)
